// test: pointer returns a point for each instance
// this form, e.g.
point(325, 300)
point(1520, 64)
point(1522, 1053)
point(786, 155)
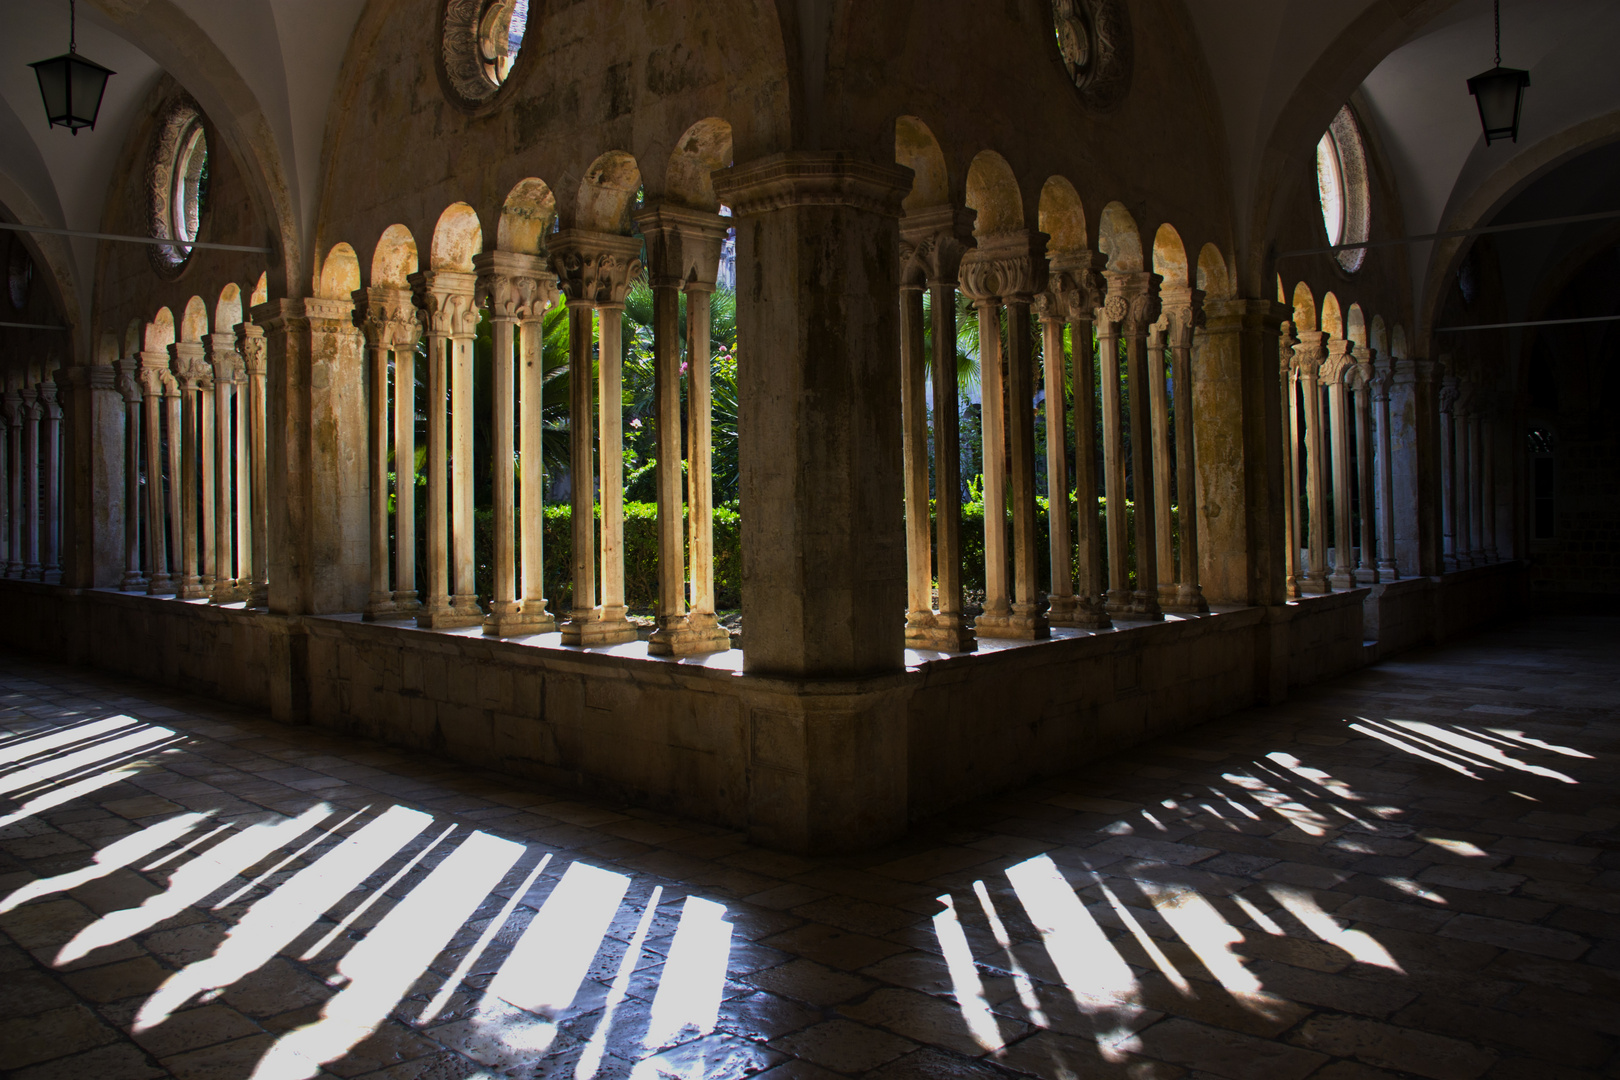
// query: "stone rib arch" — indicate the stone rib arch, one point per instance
point(607, 194)
point(1304, 309)
point(992, 191)
point(701, 149)
point(340, 274)
point(1062, 216)
point(917, 149)
point(527, 216)
point(1119, 239)
point(228, 311)
point(1213, 276)
point(457, 237)
point(394, 259)
point(1170, 256)
point(194, 320)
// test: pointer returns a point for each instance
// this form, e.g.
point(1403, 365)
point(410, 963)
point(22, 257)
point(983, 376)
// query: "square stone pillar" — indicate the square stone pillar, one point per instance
point(1240, 443)
point(95, 503)
point(1415, 457)
point(318, 485)
point(824, 578)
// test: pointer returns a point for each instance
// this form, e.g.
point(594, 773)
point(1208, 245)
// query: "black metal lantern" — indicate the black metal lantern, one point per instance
point(71, 85)
point(1499, 93)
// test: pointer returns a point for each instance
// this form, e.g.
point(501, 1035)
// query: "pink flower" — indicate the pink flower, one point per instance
point(635, 421)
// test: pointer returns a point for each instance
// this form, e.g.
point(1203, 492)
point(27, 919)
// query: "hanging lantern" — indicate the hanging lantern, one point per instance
point(71, 85)
point(1499, 93)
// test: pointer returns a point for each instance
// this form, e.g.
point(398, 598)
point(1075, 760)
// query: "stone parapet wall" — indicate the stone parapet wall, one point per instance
point(800, 764)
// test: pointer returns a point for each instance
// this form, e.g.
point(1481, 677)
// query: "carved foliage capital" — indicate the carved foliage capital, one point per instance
point(595, 267)
point(445, 299)
point(388, 317)
point(933, 241)
point(516, 287)
point(1007, 266)
point(1309, 353)
point(1132, 302)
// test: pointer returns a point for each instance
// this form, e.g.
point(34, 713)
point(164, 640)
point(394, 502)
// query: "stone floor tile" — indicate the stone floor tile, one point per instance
point(1559, 944)
point(1404, 1049)
point(51, 1034)
point(844, 1046)
point(115, 1061)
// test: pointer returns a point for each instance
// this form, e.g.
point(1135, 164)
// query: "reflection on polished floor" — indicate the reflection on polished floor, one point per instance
point(1414, 870)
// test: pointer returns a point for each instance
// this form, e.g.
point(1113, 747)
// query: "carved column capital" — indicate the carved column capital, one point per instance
point(593, 267)
point(49, 407)
point(1309, 353)
point(128, 379)
point(683, 245)
point(933, 241)
point(1448, 394)
point(190, 363)
point(1181, 311)
point(255, 350)
point(517, 288)
point(1008, 266)
point(388, 316)
point(444, 299)
point(223, 357)
point(1074, 286)
point(1340, 361)
point(1132, 301)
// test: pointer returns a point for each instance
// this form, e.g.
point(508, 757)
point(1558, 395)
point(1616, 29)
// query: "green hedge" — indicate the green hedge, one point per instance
point(641, 551)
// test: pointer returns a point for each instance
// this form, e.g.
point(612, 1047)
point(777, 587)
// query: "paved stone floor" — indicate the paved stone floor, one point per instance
point(1414, 870)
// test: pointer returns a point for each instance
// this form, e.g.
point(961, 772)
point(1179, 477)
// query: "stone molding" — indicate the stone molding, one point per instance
point(593, 267)
point(1310, 353)
point(1181, 310)
point(812, 178)
point(933, 242)
point(517, 287)
point(683, 245)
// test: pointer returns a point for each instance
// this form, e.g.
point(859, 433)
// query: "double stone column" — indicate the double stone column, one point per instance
point(518, 289)
point(50, 449)
point(252, 466)
point(388, 317)
point(1309, 355)
point(190, 373)
point(1336, 372)
point(161, 396)
point(129, 387)
point(230, 574)
point(932, 243)
point(1367, 566)
point(1381, 381)
point(1182, 312)
point(1073, 293)
point(1449, 461)
point(1007, 270)
point(684, 251)
point(1130, 308)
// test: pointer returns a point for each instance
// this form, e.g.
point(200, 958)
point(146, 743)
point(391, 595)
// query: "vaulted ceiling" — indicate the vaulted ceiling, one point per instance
point(1279, 67)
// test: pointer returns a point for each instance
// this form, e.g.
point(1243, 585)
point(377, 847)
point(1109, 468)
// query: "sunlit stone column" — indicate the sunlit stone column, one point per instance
point(251, 340)
point(1078, 286)
point(154, 379)
point(1309, 357)
point(226, 363)
point(242, 570)
point(684, 252)
point(1382, 379)
point(1337, 372)
point(933, 241)
point(1290, 460)
point(1061, 597)
point(31, 413)
point(1164, 547)
point(515, 286)
point(173, 414)
point(1184, 313)
point(594, 271)
point(50, 561)
point(130, 388)
point(1007, 270)
point(445, 298)
point(1110, 315)
point(1367, 566)
point(1133, 304)
point(206, 478)
point(188, 364)
point(532, 378)
point(388, 317)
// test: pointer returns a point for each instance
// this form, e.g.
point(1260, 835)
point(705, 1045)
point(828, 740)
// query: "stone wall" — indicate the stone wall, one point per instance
point(801, 764)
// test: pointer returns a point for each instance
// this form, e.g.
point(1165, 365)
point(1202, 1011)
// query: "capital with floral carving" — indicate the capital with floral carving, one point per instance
point(190, 363)
point(517, 288)
point(593, 267)
point(128, 381)
point(387, 315)
point(683, 245)
point(1074, 286)
point(1340, 361)
point(1310, 353)
point(1007, 266)
point(933, 241)
point(1181, 311)
point(1132, 301)
point(445, 302)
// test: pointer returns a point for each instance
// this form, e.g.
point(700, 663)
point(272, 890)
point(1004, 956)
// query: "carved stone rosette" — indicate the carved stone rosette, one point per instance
point(1095, 41)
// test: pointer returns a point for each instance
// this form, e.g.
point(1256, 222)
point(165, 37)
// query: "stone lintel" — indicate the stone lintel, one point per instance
point(813, 178)
point(683, 244)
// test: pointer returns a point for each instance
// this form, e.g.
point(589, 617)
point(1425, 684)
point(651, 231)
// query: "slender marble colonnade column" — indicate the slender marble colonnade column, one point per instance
point(1155, 370)
point(8, 460)
point(130, 387)
point(188, 363)
point(1367, 565)
point(30, 470)
point(1184, 313)
point(1336, 374)
point(388, 317)
point(1448, 467)
point(154, 379)
point(226, 363)
point(1309, 356)
point(1081, 288)
point(1133, 305)
point(594, 271)
point(1388, 561)
point(50, 436)
point(1476, 476)
point(255, 357)
point(1488, 485)
point(209, 562)
point(1290, 460)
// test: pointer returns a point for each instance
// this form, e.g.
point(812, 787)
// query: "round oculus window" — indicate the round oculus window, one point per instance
point(177, 184)
point(1341, 188)
point(1094, 40)
point(481, 41)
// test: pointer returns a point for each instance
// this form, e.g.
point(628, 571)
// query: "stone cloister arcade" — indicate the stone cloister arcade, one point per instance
point(259, 440)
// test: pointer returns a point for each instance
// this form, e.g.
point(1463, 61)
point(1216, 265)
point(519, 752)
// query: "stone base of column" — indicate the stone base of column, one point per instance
point(508, 619)
point(259, 596)
point(191, 588)
point(1061, 609)
point(1314, 585)
point(1187, 600)
point(940, 632)
point(380, 605)
point(689, 635)
point(160, 585)
point(443, 615)
point(228, 591)
point(1167, 596)
point(1367, 575)
point(133, 583)
point(1145, 604)
point(52, 576)
point(598, 626)
point(1342, 580)
point(406, 604)
point(1088, 614)
point(1025, 622)
point(1387, 571)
